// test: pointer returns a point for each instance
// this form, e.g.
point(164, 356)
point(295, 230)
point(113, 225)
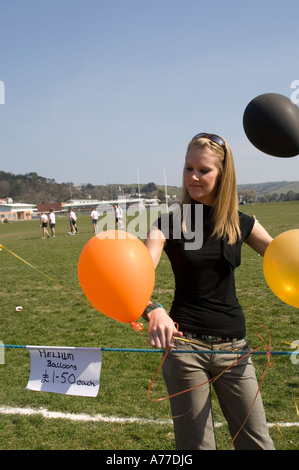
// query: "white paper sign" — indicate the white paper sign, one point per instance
point(69, 371)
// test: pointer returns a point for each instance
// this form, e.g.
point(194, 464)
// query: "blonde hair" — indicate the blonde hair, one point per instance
point(225, 216)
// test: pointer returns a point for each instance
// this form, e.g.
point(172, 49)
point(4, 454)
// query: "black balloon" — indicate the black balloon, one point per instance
point(271, 123)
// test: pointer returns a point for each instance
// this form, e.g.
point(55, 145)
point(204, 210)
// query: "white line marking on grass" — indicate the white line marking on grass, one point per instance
point(8, 410)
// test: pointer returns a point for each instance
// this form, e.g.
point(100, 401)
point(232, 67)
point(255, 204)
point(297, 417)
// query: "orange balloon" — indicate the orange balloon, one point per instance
point(281, 267)
point(117, 274)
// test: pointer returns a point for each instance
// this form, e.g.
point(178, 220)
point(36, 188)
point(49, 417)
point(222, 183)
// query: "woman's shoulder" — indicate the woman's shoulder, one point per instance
point(246, 224)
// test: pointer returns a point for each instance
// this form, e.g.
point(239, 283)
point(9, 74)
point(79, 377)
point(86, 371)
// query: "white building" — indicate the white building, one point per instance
point(16, 211)
point(85, 204)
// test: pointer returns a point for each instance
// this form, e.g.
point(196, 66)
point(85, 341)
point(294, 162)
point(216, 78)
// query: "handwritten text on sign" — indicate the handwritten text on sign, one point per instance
point(69, 371)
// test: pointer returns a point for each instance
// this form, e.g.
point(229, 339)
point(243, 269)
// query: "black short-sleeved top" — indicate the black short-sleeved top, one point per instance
point(205, 300)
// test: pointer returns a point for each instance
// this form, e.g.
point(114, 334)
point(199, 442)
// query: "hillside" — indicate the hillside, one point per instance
point(279, 187)
point(35, 189)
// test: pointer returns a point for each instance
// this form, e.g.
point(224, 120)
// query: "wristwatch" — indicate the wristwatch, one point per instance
point(151, 306)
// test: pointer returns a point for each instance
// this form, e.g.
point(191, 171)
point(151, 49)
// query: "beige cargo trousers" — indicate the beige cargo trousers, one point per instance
point(236, 390)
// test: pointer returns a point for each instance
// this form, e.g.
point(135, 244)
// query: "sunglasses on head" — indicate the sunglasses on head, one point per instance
point(213, 137)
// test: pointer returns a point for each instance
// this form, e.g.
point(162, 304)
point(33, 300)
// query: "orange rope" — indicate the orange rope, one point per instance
point(268, 346)
point(262, 379)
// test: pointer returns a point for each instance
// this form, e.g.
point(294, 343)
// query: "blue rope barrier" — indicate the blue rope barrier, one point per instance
point(213, 351)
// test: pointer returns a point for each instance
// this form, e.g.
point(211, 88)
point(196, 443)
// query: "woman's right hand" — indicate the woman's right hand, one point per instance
point(161, 329)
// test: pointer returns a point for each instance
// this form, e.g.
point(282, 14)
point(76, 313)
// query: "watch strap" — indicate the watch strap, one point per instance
point(149, 308)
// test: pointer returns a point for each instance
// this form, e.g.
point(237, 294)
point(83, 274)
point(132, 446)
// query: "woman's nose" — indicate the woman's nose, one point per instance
point(195, 175)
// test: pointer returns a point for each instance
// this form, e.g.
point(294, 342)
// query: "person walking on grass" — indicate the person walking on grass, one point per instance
point(73, 222)
point(44, 224)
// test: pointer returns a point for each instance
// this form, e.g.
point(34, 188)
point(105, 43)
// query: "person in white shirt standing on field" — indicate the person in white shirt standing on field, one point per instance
point(44, 224)
point(118, 217)
point(52, 221)
point(73, 222)
point(94, 218)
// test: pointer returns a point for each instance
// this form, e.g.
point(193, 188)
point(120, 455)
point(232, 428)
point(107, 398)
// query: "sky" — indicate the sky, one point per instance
point(111, 91)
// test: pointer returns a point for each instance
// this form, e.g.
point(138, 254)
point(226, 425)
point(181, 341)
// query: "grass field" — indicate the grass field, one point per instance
point(54, 316)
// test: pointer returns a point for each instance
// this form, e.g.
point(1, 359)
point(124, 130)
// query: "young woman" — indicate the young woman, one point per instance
point(205, 312)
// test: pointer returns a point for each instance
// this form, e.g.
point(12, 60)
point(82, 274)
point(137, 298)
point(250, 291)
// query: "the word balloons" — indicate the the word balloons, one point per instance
point(116, 273)
point(281, 267)
point(271, 123)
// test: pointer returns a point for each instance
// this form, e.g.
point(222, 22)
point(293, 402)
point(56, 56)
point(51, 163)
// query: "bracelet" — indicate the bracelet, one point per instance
point(151, 306)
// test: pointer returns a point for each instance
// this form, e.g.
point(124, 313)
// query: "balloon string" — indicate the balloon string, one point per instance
point(283, 419)
point(188, 389)
point(261, 382)
point(268, 347)
point(291, 344)
point(45, 275)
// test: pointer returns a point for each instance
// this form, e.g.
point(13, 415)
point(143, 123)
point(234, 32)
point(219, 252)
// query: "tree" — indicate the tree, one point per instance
point(247, 195)
point(149, 188)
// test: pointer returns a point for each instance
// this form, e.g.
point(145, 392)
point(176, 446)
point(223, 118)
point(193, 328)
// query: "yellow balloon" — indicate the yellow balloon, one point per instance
point(281, 267)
